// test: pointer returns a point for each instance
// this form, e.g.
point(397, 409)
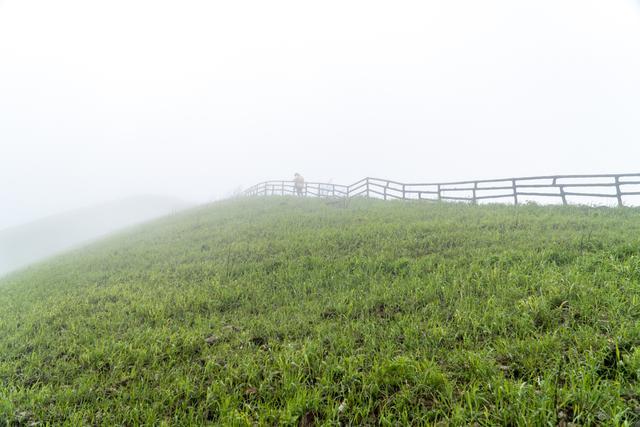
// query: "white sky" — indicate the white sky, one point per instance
point(104, 99)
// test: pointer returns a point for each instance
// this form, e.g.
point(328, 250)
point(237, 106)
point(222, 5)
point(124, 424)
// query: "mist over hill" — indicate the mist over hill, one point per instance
point(28, 243)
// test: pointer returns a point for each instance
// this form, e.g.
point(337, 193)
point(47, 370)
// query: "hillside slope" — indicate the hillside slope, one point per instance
point(28, 243)
point(302, 312)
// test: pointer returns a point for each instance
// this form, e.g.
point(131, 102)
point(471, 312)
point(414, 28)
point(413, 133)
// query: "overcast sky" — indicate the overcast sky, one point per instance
point(101, 100)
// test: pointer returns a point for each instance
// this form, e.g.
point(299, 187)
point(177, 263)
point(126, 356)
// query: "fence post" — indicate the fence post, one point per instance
point(404, 194)
point(618, 192)
point(515, 192)
point(385, 190)
point(475, 187)
point(439, 193)
point(564, 197)
point(367, 187)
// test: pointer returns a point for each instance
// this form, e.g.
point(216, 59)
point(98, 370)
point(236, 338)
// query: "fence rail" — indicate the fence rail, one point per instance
point(564, 188)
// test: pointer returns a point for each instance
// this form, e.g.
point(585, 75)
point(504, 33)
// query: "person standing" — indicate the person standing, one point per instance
point(298, 183)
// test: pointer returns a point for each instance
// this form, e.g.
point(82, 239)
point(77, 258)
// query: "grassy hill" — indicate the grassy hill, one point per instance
point(25, 244)
point(302, 312)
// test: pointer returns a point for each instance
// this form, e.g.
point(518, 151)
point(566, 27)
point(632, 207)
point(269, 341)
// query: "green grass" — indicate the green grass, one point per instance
point(302, 312)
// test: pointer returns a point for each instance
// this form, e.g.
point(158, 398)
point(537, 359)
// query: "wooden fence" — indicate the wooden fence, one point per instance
point(564, 188)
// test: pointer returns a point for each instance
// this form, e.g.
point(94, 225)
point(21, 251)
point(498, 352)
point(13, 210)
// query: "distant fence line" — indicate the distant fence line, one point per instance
point(612, 187)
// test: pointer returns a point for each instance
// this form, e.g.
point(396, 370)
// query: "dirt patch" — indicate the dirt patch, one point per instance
point(308, 419)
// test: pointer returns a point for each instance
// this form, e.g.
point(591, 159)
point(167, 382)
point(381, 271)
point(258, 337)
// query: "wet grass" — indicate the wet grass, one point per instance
point(303, 312)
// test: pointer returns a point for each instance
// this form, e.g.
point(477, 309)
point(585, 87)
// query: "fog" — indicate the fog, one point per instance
point(25, 244)
point(195, 99)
